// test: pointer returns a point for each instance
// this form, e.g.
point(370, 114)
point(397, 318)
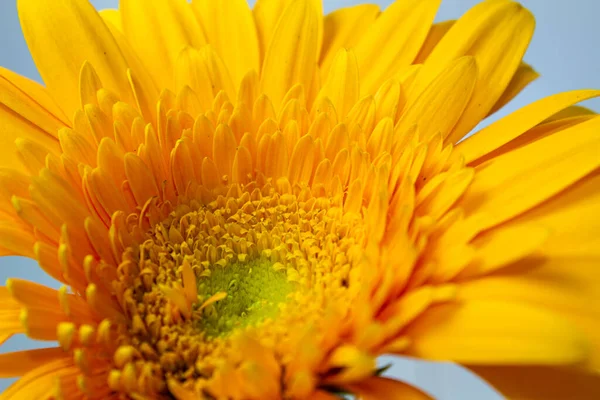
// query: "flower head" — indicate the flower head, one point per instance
point(256, 204)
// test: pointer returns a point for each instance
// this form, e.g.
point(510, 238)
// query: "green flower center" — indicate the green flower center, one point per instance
point(254, 290)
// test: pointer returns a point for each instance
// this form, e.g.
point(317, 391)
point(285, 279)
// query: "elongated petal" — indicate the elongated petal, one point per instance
point(20, 362)
point(9, 315)
point(230, 29)
point(158, 30)
point(501, 247)
point(26, 111)
point(524, 76)
point(70, 33)
point(497, 34)
point(343, 28)
point(393, 41)
point(440, 106)
point(502, 188)
point(562, 275)
point(291, 57)
point(36, 92)
point(539, 383)
point(496, 333)
point(342, 83)
point(113, 16)
point(267, 14)
point(515, 124)
point(436, 33)
point(39, 382)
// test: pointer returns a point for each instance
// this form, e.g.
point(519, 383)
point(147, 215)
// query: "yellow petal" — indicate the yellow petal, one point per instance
point(562, 275)
point(302, 161)
point(276, 165)
point(572, 111)
point(24, 116)
point(323, 395)
point(70, 33)
point(496, 33)
point(353, 362)
point(342, 84)
point(379, 388)
point(267, 14)
point(502, 188)
point(12, 183)
point(524, 75)
point(448, 192)
point(229, 27)
point(436, 33)
point(541, 383)
point(564, 286)
point(539, 132)
point(36, 92)
point(20, 362)
point(291, 57)
point(498, 248)
point(140, 179)
point(38, 383)
point(77, 147)
point(16, 239)
point(439, 107)
point(224, 146)
point(9, 315)
point(158, 30)
point(393, 41)
point(143, 83)
point(580, 203)
point(30, 213)
point(496, 333)
point(515, 124)
point(389, 100)
point(343, 28)
point(112, 16)
point(179, 392)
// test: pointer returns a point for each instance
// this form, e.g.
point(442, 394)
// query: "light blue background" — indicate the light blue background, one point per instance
point(564, 50)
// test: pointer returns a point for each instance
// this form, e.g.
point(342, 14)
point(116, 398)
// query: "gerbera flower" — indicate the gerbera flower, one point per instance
point(256, 204)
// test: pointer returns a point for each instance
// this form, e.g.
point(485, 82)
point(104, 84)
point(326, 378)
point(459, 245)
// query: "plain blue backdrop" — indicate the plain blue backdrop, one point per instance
point(564, 50)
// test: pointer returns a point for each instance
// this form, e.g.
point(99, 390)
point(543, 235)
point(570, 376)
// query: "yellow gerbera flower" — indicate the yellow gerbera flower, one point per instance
point(256, 204)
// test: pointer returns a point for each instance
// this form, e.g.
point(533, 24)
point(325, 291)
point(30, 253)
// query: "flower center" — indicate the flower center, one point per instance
point(255, 290)
point(244, 263)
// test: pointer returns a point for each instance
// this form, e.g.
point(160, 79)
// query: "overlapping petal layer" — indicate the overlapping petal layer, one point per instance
point(233, 196)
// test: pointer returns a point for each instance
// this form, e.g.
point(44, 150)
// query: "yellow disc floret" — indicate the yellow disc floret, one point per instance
point(245, 264)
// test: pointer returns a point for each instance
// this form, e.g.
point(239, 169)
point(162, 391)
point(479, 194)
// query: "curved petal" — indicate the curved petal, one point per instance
point(541, 383)
point(158, 30)
point(486, 332)
point(342, 83)
point(112, 16)
point(563, 275)
point(436, 33)
point(267, 14)
point(70, 33)
point(20, 362)
point(378, 388)
point(522, 78)
point(497, 34)
point(292, 54)
point(343, 28)
point(512, 126)
point(230, 29)
point(393, 41)
point(501, 189)
point(40, 382)
point(9, 315)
